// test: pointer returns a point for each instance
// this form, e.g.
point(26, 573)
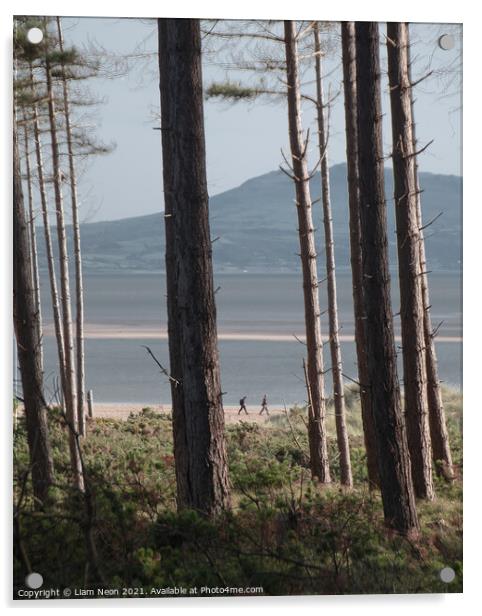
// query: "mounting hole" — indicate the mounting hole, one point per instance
point(34, 580)
point(446, 42)
point(447, 575)
point(35, 36)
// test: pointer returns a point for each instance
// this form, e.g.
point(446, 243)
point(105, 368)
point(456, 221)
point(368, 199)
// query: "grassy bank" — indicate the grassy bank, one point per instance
point(285, 533)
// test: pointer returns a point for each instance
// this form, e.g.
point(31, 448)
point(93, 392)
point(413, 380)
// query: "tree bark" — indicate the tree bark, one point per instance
point(392, 449)
point(79, 293)
point(409, 267)
point(335, 348)
point(349, 85)
point(317, 408)
point(441, 453)
point(27, 333)
point(33, 237)
point(70, 395)
point(198, 416)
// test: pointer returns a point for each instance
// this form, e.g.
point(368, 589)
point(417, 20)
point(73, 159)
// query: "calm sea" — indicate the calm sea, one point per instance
point(119, 370)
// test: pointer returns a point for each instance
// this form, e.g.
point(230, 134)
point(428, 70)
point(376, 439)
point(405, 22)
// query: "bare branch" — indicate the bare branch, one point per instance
point(306, 31)
point(426, 76)
point(290, 175)
point(299, 340)
point(431, 222)
point(253, 35)
point(436, 329)
point(288, 164)
point(161, 367)
point(416, 153)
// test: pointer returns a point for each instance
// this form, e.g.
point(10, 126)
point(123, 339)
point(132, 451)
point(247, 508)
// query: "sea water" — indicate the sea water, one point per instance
point(120, 370)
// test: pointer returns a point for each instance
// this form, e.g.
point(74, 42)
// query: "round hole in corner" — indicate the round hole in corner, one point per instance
point(35, 36)
point(34, 580)
point(446, 42)
point(447, 575)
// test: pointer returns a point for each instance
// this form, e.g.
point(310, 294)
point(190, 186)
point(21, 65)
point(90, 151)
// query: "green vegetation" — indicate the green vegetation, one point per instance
point(285, 533)
point(229, 91)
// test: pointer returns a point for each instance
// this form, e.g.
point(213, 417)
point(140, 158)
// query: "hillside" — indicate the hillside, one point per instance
point(255, 224)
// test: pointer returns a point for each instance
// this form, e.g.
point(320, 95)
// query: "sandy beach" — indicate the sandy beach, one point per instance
point(105, 410)
point(129, 332)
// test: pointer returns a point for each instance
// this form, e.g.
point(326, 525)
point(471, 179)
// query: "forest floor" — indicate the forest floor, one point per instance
point(284, 532)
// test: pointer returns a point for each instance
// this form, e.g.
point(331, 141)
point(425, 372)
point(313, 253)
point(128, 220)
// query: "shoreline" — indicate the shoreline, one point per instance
point(106, 332)
point(122, 410)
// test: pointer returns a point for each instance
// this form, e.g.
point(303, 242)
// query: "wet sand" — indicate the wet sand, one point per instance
point(109, 332)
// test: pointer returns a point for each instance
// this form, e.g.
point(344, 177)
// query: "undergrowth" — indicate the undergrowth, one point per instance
point(285, 532)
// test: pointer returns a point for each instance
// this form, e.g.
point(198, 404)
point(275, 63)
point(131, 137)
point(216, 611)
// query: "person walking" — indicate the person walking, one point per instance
point(264, 405)
point(242, 404)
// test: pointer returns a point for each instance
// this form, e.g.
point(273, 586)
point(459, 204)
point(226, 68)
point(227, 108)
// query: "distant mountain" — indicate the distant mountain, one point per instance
point(256, 228)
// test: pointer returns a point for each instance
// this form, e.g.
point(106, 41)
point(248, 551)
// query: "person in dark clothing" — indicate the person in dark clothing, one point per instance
point(264, 405)
point(242, 404)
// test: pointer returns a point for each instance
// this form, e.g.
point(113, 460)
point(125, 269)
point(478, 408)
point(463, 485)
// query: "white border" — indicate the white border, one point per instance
point(409, 10)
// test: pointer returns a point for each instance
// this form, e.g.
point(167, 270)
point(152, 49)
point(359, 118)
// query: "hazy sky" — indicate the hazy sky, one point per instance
point(242, 140)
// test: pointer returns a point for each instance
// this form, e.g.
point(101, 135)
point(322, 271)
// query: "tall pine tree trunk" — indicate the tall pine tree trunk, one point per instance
point(70, 395)
point(79, 294)
point(27, 333)
point(409, 269)
point(335, 348)
point(198, 416)
point(441, 453)
point(59, 336)
point(392, 449)
point(349, 86)
point(33, 236)
point(317, 407)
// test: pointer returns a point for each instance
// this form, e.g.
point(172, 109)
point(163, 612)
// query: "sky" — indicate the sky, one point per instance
point(243, 140)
